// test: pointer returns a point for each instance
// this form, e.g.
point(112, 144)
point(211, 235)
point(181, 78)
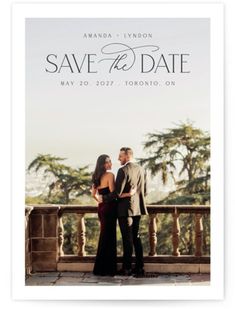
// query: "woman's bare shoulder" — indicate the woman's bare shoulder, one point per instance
point(106, 179)
point(110, 174)
point(107, 175)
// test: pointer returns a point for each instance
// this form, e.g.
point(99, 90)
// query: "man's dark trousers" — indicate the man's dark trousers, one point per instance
point(129, 227)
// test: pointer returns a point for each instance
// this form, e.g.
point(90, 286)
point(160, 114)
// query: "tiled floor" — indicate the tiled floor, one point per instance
point(81, 278)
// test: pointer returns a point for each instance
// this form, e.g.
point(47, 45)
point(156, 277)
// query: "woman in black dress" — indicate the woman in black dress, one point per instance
point(104, 183)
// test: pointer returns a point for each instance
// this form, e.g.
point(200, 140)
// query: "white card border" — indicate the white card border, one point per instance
point(112, 10)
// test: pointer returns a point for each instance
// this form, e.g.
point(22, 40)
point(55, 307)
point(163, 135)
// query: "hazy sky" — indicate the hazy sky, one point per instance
point(80, 123)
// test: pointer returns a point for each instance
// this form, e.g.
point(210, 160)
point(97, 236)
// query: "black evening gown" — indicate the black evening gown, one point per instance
point(106, 257)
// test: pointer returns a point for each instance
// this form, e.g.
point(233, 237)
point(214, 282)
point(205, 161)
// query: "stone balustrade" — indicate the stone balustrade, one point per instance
point(44, 237)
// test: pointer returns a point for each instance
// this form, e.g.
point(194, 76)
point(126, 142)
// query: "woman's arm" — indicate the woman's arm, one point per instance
point(116, 188)
point(94, 193)
point(111, 182)
point(129, 194)
point(119, 185)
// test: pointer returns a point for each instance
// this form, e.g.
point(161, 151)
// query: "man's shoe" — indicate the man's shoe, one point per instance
point(124, 272)
point(138, 272)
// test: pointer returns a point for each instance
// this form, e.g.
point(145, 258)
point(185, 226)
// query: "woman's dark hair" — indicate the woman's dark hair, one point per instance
point(99, 169)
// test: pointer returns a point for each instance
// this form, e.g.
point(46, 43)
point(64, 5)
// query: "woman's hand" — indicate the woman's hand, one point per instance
point(94, 193)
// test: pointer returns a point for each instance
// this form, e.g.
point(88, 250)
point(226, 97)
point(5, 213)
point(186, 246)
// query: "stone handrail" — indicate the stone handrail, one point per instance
point(46, 229)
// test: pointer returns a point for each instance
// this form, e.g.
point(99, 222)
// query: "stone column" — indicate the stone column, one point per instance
point(28, 260)
point(44, 238)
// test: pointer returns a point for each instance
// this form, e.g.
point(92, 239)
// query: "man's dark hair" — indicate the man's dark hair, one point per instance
point(127, 150)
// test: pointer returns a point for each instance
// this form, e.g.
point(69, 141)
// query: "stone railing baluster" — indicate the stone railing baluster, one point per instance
point(175, 233)
point(198, 234)
point(153, 234)
point(81, 235)
point(60, 233)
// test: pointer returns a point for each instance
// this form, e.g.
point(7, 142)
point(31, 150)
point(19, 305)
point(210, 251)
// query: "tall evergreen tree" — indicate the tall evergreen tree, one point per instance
point(183, 154)
point(67, 181)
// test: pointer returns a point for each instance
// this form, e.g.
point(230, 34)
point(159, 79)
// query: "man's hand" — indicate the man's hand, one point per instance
point(100, 198)
point(133, 191)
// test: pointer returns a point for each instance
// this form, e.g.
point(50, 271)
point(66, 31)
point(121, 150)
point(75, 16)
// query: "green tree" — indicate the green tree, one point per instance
point(68, 182)
point(183, 151)
point(182, 154)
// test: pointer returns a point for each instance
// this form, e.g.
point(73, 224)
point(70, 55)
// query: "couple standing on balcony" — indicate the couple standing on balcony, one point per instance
point(123, 199)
